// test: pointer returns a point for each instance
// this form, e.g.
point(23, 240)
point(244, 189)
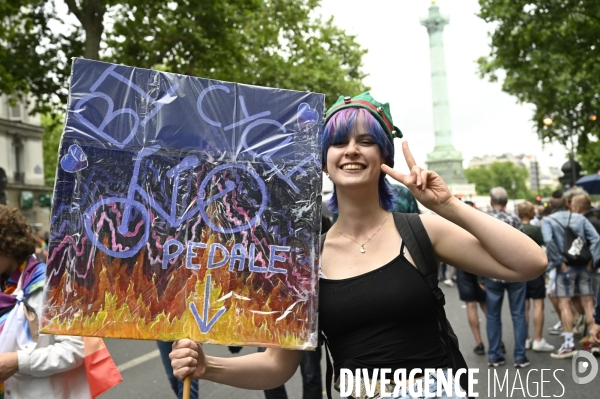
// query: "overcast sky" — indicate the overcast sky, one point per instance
point(484, 119)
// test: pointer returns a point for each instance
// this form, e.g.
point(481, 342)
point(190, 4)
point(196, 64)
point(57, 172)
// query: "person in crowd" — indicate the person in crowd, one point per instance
point(579, 323)
point(572, 192)
point(536, 288)
point(539, 214)
point(41, 247)
point(546, 212)
point(495, 289)
point(375, 308)
point(582, 204)
point(471, 292)
point(447, 274)
point(404, 201)
point(555, 329)
point(442, 271)
point(571, 280)
point(595, 328)
point(32, 365)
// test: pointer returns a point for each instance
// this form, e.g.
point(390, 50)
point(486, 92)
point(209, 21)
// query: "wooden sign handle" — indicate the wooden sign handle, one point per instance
point(187, 387)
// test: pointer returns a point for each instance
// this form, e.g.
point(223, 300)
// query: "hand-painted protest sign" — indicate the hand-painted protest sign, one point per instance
point(185, 207)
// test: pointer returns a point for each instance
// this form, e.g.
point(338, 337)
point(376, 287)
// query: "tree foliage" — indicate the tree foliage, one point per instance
point(275, 43)
point(547, 53)
point(501, 174)
point(33, 58)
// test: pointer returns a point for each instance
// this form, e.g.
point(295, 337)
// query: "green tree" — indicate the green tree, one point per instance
point(275, 43)
point(481, 177)
point(53, 128)
point(547, 53)
point(33, 58)
point(501, 174)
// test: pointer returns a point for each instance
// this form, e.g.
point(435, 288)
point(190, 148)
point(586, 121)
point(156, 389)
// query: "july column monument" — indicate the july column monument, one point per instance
point(444, 159)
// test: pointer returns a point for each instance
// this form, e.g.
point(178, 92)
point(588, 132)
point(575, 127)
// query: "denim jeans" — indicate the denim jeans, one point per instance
point(177, 385)
point(516, 299)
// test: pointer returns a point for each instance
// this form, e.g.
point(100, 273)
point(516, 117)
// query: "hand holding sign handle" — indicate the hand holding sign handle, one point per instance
point(188, 361)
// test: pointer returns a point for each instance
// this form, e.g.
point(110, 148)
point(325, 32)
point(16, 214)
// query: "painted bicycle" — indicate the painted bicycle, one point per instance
point(136, 212)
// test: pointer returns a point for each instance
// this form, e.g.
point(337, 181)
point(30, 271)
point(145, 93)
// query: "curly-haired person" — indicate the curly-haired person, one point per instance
point(32, 365)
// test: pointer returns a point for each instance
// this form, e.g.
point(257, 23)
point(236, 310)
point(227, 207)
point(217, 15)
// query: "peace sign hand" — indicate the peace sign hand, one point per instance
point(427, 186)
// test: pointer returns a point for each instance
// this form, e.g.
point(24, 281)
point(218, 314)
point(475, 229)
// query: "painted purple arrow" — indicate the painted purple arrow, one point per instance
point(203, 323)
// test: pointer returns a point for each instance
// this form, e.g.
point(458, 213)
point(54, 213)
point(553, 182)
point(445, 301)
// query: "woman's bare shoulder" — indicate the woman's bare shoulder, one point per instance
point(431, 220)
point(436, 226)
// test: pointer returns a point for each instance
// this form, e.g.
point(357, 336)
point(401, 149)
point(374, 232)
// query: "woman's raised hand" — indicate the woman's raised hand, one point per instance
point(427, 186)
point(187, 357)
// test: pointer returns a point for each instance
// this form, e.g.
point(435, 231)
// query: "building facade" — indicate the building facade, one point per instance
point(540, 175)
point(22, 163)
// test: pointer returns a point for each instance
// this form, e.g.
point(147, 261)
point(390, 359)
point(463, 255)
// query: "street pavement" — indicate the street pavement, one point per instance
point(144, 376)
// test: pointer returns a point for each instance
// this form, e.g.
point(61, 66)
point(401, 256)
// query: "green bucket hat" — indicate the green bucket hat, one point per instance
point(381, 111)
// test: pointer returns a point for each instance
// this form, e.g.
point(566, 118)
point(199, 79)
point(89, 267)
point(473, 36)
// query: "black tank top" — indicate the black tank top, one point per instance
point(385, 318)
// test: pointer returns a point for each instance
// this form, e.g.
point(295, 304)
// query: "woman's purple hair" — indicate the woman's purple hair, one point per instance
point(339, 127)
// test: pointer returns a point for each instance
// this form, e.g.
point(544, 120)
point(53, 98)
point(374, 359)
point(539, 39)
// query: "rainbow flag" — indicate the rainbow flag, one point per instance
point(101, 370)
point(102, 373)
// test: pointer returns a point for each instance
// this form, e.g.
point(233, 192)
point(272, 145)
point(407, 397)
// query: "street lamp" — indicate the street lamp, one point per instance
point(571, 129)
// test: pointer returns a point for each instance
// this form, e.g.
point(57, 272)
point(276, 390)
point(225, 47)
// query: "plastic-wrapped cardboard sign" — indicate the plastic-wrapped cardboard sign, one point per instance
point(185, 207)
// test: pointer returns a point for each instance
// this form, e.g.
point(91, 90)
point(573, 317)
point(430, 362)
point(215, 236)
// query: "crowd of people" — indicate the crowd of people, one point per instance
point(371, 281)
point(571, 286)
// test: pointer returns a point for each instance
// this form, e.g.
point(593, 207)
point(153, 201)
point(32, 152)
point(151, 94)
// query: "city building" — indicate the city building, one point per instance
point(22, 164)
point(540, 174)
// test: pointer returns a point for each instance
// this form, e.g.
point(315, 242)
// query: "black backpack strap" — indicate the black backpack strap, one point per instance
point(329, 370)
point(416, 239)
point(559, 223)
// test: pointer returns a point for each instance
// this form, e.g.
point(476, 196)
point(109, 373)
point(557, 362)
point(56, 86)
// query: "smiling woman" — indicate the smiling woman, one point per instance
point(376, 309)
point(358, 128)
